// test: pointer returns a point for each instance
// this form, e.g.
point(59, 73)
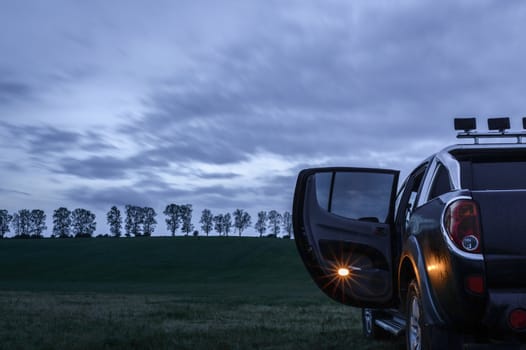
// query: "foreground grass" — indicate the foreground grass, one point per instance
point(114, 321)
point(167, 294)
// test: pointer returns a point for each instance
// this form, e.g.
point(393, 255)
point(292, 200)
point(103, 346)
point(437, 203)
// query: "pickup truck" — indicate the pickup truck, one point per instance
point(441, 257)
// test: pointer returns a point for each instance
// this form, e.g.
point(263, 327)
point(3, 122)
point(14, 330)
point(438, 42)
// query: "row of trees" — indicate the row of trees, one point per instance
point(140, 221)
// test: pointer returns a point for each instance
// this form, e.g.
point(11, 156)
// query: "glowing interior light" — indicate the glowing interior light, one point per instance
point(343, 272)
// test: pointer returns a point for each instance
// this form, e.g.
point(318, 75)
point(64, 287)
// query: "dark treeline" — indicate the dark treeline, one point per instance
point(138, 221)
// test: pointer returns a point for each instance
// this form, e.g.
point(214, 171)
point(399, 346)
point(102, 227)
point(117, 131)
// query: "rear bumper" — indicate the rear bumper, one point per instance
point(496, 319)
point(494, 347)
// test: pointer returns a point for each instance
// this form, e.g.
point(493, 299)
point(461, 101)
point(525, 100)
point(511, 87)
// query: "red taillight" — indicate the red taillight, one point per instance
point(461, 221)
point(475, 284)
point(517, 319)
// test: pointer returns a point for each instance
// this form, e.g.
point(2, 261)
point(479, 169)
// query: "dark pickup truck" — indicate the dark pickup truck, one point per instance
point(441, 258)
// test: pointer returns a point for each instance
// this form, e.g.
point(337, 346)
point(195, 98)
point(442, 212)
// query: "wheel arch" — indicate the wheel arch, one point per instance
point(412, 266)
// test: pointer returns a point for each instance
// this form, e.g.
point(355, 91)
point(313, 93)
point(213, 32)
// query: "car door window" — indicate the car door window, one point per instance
point(323, 189)
point(358, 195)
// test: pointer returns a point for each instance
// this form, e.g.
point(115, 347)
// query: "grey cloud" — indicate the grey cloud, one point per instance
point(310, 97)
point(209, 142)
point(39, 139)
point(73, 75)
point(219, 176)
point(110, 167)
point(103, 199)
point(217, 198)
point(148, 160)
point(279, 186)
point(93, 146)
point(12, 166)
point(95, 167)
point(435, 54)
point(9, 191)
point(13, 91)
point(158, 194)
point(275, 192)
point(149, 180)
point(51, 140)
point(45, 139)
point(222, 191)
point(197, 146)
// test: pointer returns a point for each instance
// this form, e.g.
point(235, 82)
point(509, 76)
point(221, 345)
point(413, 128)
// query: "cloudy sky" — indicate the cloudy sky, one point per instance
point(220, 103)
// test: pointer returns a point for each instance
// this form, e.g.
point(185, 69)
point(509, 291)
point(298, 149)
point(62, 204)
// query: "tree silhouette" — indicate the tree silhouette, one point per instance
point(114, 220)
point(61, 222)
point(21, 223)
point(274, 221)
point(83, 222)
point(37, 223)
point(242, 220)
point(206, 221)
point(227, 223)
point(186, 218)
point(261, 224)
point(287, 224)
point(218, 224)
point(134, 220)
point(173, 220)
point(5, 220)
point(148, 220)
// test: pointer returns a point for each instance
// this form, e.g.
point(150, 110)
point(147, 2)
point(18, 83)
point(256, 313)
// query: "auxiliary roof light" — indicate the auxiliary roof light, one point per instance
point(466, 124)
point(498, 128)
point(499, 124)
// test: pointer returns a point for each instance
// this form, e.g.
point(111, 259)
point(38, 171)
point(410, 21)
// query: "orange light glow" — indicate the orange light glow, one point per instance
point(433, 267)
point(343, 272)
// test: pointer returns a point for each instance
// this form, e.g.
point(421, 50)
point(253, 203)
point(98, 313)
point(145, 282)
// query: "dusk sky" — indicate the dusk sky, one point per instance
point(220, 103)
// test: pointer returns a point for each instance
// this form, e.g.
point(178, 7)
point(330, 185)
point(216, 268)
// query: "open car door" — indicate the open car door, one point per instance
point(343, 228)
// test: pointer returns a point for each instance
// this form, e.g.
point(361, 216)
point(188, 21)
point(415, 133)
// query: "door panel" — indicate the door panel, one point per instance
point(343, 218)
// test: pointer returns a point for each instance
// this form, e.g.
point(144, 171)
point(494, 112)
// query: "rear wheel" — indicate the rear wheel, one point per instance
point(414, 318)
point(425, 337)
point(369, 328)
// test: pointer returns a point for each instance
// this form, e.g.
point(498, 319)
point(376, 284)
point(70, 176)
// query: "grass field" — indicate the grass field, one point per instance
point(167, 293)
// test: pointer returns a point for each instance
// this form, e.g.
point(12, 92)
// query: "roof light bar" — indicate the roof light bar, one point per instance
point(466, 124)
point(500, 124)
point(497, 128)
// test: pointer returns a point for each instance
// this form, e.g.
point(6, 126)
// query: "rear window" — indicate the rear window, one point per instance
point(498, 175)
point(492, 169)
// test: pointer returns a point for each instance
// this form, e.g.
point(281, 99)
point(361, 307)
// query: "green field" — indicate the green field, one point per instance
point(167, 293)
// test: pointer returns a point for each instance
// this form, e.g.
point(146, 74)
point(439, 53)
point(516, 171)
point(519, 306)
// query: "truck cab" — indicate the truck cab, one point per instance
point(440, 257)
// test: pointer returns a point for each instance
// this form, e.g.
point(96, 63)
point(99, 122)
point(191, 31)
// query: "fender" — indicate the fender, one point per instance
point(413, 253)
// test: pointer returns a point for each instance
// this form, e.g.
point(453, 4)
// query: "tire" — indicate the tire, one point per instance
point(414, 321)
point(369, 328)
point(420, 336)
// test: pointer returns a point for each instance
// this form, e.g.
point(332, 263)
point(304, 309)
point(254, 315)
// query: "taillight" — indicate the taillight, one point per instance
point(475, 284)
point(462, 223)
point(517, 319)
